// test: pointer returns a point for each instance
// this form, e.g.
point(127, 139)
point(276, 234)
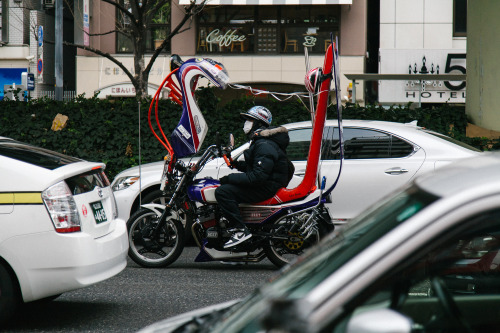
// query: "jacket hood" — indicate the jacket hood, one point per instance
point(276, 134)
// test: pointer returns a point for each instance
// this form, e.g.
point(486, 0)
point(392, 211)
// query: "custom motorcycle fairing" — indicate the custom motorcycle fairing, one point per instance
point(282, 227)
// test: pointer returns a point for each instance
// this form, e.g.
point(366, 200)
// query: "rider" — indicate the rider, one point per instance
point(263, 172)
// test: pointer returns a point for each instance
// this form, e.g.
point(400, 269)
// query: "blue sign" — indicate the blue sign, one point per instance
point(39, 66)
point(40, 35)
point(31, 81)
point(10, 76)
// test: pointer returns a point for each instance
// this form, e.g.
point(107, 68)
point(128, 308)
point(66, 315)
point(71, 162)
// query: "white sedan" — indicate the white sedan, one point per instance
point(59, 227)
point(379, 158)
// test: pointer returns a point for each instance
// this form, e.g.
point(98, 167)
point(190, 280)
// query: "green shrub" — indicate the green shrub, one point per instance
point(108, 130)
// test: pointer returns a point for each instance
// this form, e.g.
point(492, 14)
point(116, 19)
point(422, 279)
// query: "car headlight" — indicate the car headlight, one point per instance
point(124, 182)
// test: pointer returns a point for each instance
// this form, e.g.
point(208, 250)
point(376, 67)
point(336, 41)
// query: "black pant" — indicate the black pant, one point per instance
point(229, 196)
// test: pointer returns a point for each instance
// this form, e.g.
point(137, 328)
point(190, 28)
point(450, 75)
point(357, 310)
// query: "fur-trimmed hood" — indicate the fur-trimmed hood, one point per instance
point(276, 134)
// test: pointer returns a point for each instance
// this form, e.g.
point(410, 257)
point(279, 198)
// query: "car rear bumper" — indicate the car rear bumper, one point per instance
point(49, 263)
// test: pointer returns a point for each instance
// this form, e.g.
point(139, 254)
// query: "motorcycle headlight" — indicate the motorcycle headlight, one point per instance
point(124, 182)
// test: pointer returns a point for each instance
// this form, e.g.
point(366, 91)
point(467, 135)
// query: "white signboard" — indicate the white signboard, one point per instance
point(86, 24)
point(422, 62)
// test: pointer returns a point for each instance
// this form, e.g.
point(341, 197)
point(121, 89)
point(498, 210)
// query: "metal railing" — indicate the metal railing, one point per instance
point(68, 95)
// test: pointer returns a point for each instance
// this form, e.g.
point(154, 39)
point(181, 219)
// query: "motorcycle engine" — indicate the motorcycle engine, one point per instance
point(213, 237)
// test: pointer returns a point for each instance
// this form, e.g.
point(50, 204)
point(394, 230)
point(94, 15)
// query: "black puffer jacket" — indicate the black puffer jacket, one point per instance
point(265, 160)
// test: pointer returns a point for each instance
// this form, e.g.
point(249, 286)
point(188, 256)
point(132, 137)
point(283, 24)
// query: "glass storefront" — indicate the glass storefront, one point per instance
point(266, 29)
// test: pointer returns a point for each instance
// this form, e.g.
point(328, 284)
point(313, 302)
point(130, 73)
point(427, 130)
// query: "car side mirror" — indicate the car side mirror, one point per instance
point(379, 320)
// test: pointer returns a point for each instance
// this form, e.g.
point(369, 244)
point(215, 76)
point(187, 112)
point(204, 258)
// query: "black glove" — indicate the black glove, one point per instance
point(234, 164)
point(224, 180)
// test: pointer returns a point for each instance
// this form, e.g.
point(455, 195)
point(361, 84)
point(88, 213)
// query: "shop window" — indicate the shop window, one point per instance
point(460, 18)
point(158, 31)
point(266, 29)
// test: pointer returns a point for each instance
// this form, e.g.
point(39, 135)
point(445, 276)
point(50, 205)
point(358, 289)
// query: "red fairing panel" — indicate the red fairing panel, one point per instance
point(308, 183)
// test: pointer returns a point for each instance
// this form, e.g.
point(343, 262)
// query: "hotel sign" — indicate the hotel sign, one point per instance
point(422, 62)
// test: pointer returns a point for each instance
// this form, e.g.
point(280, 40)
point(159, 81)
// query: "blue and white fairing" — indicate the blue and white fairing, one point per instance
point(189, 134)
point(203, 190)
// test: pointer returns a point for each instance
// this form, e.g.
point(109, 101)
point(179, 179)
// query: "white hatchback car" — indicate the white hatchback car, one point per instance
point(59, 229)
point(379, 157)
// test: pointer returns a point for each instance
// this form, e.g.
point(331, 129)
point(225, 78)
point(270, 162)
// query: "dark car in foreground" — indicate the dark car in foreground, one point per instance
point(392, 269)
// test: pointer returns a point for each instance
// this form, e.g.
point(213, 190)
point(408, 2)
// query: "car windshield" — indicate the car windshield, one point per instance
point(34, 155)
point(334, 251)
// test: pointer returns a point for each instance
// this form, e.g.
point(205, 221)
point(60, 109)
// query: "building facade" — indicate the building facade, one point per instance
point(25, 28)
point(422, 37)
point(261, 43)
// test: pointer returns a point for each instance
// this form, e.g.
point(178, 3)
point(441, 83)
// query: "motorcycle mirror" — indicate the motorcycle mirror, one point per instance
point(231, 140)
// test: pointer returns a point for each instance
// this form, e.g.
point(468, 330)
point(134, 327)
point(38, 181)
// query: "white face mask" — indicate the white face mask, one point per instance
point(247, 127)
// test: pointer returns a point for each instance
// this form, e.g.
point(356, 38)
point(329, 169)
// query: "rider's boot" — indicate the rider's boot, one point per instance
point(238, 236)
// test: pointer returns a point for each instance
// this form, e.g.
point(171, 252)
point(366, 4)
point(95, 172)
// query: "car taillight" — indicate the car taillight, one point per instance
point(62, 208)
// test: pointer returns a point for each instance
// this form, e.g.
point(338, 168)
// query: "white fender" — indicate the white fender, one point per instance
point(156, 208)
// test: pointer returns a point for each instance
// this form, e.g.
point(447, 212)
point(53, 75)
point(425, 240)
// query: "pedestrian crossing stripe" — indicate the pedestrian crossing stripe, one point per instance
point(20, 198)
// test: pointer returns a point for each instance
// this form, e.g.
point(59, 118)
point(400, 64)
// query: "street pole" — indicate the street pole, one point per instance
point(59, 50)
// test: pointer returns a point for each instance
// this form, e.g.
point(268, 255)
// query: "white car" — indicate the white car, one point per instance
point(379, 157)
point(59, 227)
point(425, 259)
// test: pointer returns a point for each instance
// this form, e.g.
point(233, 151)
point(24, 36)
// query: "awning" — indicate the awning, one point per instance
point(269, 2)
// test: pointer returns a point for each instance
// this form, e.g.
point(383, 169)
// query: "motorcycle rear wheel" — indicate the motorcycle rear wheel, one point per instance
point(161, 251)
point(281, 252)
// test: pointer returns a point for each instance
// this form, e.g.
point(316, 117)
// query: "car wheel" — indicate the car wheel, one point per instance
point(9, 295)
point(161, 198)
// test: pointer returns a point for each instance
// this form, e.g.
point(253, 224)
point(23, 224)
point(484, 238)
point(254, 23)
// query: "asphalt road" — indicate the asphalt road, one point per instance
point(138, 297)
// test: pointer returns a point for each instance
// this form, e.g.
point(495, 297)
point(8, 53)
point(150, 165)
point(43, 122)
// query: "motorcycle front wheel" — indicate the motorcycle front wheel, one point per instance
point(159, 251)
point(285, 246)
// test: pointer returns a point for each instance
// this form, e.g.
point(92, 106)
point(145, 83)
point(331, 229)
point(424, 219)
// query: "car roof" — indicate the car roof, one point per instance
point(37, 156)
point(358, 123)
point(478, 174)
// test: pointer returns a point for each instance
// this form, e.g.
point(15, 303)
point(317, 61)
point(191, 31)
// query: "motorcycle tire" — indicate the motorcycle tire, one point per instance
point(161, 251)
point(282, 252)
point(158, 197)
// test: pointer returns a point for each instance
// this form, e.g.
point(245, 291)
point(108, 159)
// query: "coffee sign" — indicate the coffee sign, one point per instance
point(224, 40)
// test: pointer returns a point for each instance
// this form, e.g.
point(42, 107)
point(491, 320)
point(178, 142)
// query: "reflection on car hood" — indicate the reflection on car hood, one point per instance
point(151, 167)
point(171, 324)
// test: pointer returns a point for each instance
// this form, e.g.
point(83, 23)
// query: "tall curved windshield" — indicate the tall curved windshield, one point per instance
point(319, 263)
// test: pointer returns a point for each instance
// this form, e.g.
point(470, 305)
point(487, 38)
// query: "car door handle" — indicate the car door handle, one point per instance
point(300, 173)
point(396, 171)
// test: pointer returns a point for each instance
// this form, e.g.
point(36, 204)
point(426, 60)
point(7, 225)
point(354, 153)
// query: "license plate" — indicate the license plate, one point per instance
point(99, 213)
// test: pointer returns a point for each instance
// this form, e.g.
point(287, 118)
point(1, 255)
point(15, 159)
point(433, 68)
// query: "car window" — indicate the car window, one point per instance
point(359, 143)
point(298, 149)
point(86, 182)
point(320, 262)
point(34, 155)
point(452, 285)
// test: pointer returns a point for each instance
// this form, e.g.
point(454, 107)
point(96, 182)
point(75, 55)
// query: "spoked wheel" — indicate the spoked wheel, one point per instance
point(285, 246)
point(159, 197)
point(154, 252)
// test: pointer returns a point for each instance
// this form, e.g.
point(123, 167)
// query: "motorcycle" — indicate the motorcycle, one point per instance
point(282, 227)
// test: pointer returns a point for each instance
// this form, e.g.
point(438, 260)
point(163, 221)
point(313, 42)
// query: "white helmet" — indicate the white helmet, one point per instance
point(259, 113)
